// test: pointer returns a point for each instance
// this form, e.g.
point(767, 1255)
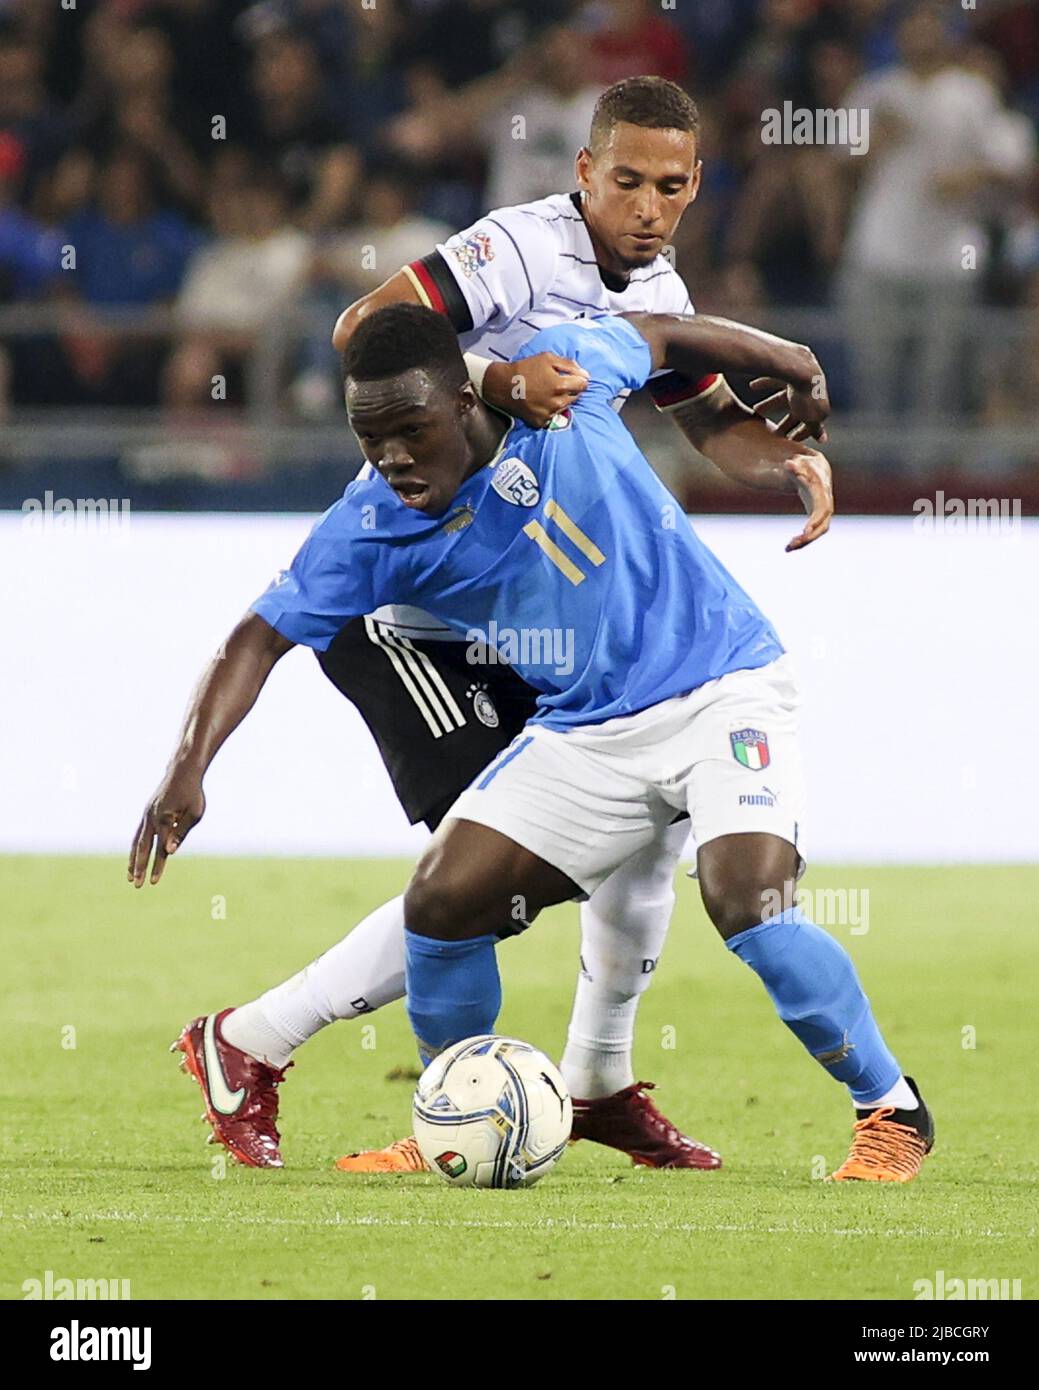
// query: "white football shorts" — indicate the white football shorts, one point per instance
point(587, 799)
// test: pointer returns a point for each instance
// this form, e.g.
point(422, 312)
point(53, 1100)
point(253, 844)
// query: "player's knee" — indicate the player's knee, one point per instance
point(624, 921)
point(441, 904)
point(744, 880)
point(735, 907)
point(648, 876)
point(430, 906)
point(619, 978)
point(621, 942)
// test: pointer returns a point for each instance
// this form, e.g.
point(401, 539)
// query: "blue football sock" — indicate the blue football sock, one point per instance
point(817, 994)
point(453, 989)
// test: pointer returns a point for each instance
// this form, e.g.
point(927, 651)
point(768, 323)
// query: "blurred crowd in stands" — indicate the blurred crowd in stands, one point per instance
point(231, 159)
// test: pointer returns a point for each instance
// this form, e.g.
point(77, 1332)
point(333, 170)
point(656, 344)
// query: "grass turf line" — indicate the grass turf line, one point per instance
point(103, 1171)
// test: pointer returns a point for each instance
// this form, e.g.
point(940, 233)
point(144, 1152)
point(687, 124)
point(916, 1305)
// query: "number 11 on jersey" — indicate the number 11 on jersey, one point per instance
point(573, 533)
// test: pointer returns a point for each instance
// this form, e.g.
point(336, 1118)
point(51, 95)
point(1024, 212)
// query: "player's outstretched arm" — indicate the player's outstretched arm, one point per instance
point(737, 440)
point(700, 345)
point(223, 697)
point(535, 388)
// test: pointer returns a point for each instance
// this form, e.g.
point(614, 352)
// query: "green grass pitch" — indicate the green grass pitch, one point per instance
point(104, 1172)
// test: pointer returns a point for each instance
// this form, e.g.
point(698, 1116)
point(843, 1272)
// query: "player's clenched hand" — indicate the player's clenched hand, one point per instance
point(535, 388)
point(805, 408)
point(177, 806)
point(811, 475)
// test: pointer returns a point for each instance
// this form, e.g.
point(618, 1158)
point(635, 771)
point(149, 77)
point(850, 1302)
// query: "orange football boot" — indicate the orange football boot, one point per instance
point(888, 1145)
point(402, 1156)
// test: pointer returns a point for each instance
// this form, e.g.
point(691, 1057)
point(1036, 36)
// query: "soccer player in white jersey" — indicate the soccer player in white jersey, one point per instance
point(437, 718)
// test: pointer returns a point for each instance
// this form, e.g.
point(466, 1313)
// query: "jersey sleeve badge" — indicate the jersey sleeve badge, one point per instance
point(473, 253)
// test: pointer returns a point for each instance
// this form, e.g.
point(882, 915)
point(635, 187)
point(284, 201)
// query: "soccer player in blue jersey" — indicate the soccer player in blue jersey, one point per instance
point(437, 718)
point(662, 688)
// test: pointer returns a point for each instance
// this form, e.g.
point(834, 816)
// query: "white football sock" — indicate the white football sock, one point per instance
point(597, 1060)
point(900, 1096)
point(623, 926)
point(356, 976)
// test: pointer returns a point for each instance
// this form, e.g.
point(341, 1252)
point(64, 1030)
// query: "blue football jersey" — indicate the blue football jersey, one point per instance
point(565, 553)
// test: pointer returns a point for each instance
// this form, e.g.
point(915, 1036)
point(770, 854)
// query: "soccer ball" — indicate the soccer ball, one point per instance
point(492, 1112)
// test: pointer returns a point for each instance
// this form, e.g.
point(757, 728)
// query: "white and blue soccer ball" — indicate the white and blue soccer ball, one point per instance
point(492, 1112)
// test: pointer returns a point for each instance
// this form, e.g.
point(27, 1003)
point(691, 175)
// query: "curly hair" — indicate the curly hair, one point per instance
point(400, 337)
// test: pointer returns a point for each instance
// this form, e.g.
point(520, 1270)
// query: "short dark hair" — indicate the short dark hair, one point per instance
point(400, 337)
point(652, 102)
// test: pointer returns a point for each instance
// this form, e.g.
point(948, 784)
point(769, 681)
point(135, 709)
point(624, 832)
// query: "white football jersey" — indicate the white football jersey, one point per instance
point(520, 269)
point(514, 272)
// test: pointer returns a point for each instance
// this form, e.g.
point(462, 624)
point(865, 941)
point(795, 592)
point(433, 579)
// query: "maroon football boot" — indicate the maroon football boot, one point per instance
point(629, 1121)
point(240, 1093)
